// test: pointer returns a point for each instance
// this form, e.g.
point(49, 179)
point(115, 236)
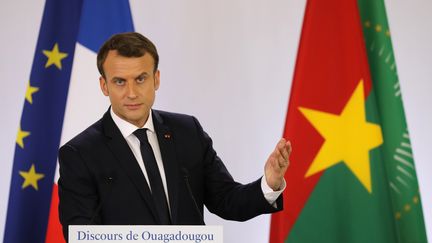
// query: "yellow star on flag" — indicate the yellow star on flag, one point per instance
point(31, 177)
point(30, 91)
point(20, 137)
point(348, 138)
point(54, 57)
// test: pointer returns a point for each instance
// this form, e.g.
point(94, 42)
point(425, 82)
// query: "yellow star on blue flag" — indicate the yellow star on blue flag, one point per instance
point(29, 92)
point(31, 178)
point(20, 137)
point(54, 57)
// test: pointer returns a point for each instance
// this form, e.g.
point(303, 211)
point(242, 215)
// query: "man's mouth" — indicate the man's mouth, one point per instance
point(133, 106)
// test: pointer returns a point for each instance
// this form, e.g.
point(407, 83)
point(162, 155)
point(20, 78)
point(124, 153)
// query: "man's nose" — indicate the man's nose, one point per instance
point(131, 90)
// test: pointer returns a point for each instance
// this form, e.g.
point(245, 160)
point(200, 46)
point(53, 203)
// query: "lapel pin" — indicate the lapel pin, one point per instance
point(167, 136)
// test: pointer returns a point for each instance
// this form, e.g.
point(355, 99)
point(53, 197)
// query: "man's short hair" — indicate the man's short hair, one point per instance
point(128, 44)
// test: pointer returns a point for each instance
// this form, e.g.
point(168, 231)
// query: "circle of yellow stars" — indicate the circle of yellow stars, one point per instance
point(31, 177)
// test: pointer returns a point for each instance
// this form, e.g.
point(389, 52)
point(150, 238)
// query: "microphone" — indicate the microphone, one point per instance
point(186, 179)
point(109, 181)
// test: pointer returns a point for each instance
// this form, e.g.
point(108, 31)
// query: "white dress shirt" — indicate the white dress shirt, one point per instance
point(127, 130)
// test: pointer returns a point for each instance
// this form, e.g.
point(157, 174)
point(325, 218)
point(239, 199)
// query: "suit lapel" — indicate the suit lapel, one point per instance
point(127, 161)
point(167, 148)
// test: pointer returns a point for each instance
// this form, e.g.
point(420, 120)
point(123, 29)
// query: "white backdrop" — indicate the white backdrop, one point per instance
point(229, 63)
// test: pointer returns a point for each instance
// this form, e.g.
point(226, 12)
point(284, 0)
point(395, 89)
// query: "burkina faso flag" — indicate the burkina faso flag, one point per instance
point(352, 176)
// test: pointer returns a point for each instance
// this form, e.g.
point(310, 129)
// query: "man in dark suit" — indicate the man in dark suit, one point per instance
point(137, 165)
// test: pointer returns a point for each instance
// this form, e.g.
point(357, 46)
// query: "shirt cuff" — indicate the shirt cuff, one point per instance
point(269, 194)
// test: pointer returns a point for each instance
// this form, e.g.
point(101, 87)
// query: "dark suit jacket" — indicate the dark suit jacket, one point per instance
point(101, 179)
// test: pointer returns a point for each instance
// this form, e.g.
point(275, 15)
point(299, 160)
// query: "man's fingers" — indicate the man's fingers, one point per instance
point(274, 162)
point(284, 149)
point(281, 161)
point(288, 147)
point(280, 156)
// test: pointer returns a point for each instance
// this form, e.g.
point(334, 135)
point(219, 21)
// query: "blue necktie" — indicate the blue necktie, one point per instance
point(154, 177)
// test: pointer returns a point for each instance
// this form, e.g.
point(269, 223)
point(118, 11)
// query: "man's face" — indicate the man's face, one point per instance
point(130, 84)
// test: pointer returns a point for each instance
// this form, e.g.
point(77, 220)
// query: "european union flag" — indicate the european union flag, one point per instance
point(64, 23)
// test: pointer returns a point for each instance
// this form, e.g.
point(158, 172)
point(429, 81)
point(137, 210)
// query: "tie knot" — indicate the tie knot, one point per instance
point(141, 134)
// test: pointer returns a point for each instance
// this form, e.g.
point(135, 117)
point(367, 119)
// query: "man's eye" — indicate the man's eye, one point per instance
point(119, 82)
point(140, 79)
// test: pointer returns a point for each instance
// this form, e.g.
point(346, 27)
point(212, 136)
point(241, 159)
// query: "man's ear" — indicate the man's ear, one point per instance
point(157, 80)
point(103, 85)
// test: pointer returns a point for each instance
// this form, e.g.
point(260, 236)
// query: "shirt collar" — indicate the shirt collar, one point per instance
point(127, 128)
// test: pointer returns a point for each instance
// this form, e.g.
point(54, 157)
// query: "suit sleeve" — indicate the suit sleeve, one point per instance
point(226, 197)
point(77, 191)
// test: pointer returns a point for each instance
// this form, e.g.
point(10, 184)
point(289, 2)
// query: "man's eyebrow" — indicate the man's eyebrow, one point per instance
point(143, 74)
point(117, 79)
